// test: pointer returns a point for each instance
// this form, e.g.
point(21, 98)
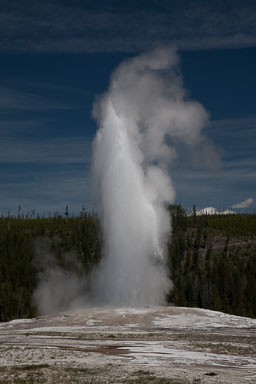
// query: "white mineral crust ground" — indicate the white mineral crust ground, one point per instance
point(123, 345)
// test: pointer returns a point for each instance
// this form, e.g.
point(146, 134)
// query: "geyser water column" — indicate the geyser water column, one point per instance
point(140, 118)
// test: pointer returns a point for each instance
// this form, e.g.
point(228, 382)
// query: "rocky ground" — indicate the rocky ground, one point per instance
point(143, 345)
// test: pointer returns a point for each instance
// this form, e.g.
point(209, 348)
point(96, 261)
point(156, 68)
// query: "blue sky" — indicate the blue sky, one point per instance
point(57, 56)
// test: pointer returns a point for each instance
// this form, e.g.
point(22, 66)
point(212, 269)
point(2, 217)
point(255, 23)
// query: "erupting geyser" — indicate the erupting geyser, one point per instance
point(141, 118)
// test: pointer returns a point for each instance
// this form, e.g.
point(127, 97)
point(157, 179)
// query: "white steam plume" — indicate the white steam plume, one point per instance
point(142, 116)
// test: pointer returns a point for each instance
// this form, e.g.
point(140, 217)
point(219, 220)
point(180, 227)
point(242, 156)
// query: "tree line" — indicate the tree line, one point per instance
point(20, 266)
point(211, 259)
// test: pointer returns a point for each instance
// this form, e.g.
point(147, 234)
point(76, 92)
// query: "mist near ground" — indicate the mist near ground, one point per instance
point(62, 285)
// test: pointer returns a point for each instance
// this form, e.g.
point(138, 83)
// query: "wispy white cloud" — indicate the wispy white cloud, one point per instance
point(234, 180)
point(48, 173)
point(44, 173)
point(233, 125)
point(16, 99)
point(236, 136)
point(45, 151)
point(46, 191)
point(51, 27)
point(243, 204)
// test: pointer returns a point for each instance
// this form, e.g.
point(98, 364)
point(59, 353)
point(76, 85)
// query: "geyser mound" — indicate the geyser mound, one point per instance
point(141, 118)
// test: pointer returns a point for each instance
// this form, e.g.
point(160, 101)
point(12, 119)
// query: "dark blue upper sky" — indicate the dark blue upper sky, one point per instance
point(57, 56)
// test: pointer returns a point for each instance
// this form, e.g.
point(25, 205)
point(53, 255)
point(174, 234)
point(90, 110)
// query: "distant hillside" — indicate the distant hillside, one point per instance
point(211, 259)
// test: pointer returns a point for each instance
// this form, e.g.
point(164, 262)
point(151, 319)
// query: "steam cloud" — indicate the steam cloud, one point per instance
point(243, 204)
point(58, 289)
point(142, 117)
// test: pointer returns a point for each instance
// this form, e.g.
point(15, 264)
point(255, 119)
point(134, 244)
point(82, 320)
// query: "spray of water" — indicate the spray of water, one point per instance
point(141, 117)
